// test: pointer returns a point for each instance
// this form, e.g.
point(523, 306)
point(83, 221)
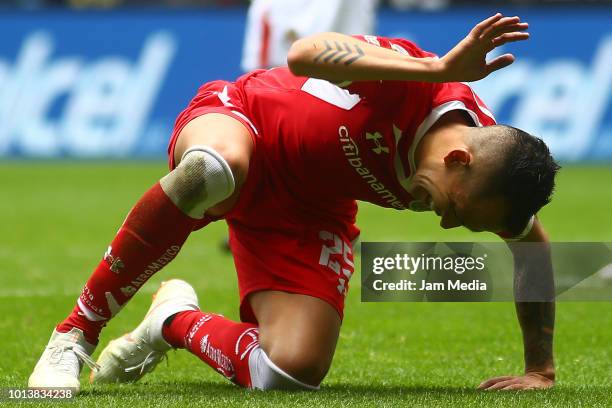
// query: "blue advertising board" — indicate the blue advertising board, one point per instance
point(106, 84)
point(560, 85)
point(110, 84)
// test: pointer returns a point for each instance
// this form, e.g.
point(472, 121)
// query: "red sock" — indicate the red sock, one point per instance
point(150, 237)
point(221, 343)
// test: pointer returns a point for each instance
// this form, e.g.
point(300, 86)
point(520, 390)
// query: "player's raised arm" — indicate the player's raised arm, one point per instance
point(533, 281)
point(338, 57)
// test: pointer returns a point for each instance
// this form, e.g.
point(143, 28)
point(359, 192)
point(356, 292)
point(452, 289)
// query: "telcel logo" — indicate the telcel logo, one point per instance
point(107, 100)
point(564, 100)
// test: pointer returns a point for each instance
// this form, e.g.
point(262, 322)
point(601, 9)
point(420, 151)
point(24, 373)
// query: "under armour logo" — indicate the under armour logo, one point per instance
point(376, 138)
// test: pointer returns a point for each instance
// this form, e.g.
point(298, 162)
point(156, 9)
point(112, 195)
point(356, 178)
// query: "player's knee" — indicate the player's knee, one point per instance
point(305, 365)
point(284, 372)
point(202, 179)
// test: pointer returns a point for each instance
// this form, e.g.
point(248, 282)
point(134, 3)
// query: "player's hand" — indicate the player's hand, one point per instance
point(467, 60)
point(529, 381)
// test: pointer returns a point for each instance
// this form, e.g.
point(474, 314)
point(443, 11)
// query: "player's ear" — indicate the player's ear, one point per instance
point(458, 156)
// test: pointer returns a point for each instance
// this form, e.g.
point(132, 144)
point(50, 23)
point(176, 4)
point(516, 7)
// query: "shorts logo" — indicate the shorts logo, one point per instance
point(376, 138)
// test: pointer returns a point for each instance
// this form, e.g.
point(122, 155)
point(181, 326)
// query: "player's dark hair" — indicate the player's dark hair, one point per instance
point(525, 177)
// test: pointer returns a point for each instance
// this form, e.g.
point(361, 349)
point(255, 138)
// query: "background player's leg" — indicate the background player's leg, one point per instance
point(291, 349)
point(151, 236)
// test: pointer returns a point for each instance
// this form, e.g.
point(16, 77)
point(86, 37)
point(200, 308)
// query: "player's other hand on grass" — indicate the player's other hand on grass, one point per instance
point(467, 60)
point(529, 381)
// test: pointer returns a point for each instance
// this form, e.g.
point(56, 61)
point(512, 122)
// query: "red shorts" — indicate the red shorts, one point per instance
point(277, 243)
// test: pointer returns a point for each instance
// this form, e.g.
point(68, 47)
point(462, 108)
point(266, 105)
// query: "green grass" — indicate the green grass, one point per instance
point(57, 219)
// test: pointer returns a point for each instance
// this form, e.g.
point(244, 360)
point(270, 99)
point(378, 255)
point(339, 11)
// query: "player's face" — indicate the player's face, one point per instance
point(453, 195)
point(476, 214)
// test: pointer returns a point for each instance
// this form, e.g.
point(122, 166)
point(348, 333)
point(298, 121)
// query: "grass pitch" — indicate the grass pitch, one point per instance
point(58, 218)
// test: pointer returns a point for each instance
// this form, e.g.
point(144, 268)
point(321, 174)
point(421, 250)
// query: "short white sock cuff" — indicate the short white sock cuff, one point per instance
point(265, 375)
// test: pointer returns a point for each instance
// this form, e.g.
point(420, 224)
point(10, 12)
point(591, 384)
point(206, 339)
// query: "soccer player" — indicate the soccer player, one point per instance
point(282, 155)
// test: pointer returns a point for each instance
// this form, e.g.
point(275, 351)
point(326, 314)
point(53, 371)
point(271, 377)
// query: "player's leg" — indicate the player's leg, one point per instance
point(291, 348)
point(150, 237)
point(278, 265)
point(298, 335)
point(165, 215)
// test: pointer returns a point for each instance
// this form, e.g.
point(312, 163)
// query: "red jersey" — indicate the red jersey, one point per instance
point(353, 142)
point(329, 145)
point(318, 148)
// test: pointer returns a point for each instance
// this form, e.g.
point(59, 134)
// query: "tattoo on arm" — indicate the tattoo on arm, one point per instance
point(335, 53)
point(537, 321)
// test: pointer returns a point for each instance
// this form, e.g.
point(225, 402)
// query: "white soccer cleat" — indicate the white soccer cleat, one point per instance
point(131, 356)
point(61, 362)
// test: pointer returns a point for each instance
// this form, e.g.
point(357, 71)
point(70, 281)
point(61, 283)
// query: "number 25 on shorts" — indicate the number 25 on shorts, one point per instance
point(338, 257)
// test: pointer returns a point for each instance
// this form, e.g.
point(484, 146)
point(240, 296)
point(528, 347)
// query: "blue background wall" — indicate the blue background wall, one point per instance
point(75, 84)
